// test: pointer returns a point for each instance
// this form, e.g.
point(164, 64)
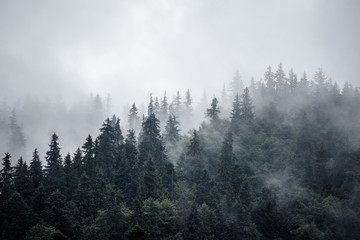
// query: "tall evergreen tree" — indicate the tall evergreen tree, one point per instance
point(236, 110)
point(172, 129)
point(246, 107)
point(164, 111)
point(36, 173)
point(6, 172)
point(22, 180)
point(88, 158)
point(213, 111)
point(133, 118)
point(54, 172)
point(151, 106)
point(280, 80)
point(16, 139)
point(237, 84)
point(157, 107)
point(270, 79)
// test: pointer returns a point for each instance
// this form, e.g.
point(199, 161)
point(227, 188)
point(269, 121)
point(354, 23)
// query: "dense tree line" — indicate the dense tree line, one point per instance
point(280, 160)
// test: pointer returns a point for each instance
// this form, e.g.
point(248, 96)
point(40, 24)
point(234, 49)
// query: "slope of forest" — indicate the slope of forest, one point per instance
point(276, 160)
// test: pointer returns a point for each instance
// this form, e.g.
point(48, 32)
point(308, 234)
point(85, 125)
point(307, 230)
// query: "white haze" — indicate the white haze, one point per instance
point(65, 50)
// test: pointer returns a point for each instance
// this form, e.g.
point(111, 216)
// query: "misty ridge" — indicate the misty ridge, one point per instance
point(275, 159)
point(40, 118)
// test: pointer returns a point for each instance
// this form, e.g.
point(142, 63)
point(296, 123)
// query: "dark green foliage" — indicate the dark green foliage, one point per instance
point(213, 111)
point(15, 216)
point(35, 170)
point(6, 172)
point(133, 118)
point(41, 232)
point(137, 233)
point(172, 129)
point(287, 169)
point(22, 181)
point(88, 158)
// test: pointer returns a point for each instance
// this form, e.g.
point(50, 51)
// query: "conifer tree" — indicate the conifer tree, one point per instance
point(134, 119)
point(227, 162)
point(88, 158)
point(6, 172)
point(53, 156)
point(164, 111)
point(236, 111)
point(54, 172)
point(270, 79)
point(22, 180)
point(106, 150)
point(36, 173)
point(213, 111)
point(17, 139)
point(246, 107)
point(151, 106)
point(237, 84)
point(157, 107)
point(172, 129)
point(280, 81)
point(188, 111)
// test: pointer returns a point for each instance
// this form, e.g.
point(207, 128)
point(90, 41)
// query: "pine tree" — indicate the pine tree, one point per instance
point(53, 156)
point(151, 106)
point(164, 111)
point(280, 81)
point(270, 79)
point(320, 78)
point(293, 82)
point(17, 139)
point(77, 164)
point(172, 129)
point(88, 158)
point(70, 177)
point(106, 150)
point(237, 84)
point(54, 172)
point(246, 107)
point(213, 111)
point(6, 173)
point(236, 111)
point(227, 162)
point(188, 111)
point(22, 180)
point(157, 107)
point(150, 140)
point(36, 173)
point(134, 119)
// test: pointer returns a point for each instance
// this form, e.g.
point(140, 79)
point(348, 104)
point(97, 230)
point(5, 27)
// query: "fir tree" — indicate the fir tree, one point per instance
point(236, 111)
point(6, 172)
point(134, 119)
point(36, 170)
point(237, 84)
point(88, 158)
point(246, 107)
point(213, 111)
point(172, 129)
point(270, 79)
point(164, 111)
point(151, 106)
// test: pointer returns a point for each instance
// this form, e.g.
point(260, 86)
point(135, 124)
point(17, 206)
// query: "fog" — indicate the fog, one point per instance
point(63, 51)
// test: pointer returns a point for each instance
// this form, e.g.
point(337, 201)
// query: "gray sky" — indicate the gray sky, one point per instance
point(131, 48)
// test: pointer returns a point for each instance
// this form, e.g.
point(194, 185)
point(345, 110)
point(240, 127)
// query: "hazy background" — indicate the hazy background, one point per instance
point(131, 48)
point(64, 50)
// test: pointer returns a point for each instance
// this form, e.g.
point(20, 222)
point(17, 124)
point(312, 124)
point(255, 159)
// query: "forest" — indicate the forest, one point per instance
point(277, 159)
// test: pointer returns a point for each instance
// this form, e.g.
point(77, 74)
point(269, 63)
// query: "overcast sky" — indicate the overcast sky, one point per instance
point(131, 48)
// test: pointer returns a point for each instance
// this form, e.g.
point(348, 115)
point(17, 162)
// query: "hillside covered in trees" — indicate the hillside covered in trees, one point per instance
point(279, 159)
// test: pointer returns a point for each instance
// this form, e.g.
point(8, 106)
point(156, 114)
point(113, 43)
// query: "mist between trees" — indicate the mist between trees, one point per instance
point(278, 159)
